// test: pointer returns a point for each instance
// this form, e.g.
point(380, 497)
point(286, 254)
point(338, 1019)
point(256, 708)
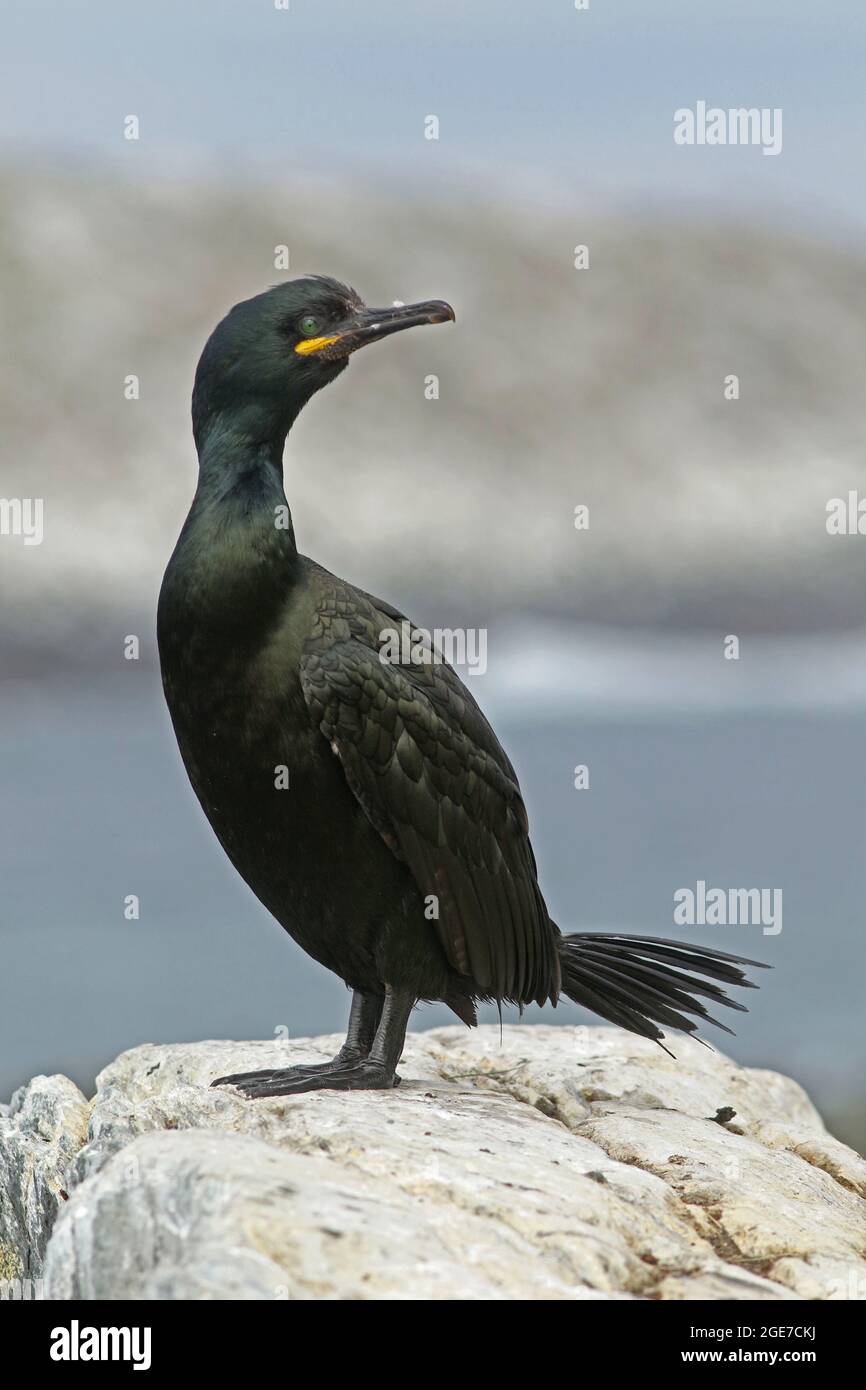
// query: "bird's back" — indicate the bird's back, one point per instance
point(432, 777)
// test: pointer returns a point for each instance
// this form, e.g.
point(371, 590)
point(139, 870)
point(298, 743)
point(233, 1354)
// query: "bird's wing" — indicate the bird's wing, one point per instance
point(431, 776)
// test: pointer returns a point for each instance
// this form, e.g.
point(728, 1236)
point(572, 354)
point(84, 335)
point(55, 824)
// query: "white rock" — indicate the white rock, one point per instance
point(553, 1163)
point(40, 1133)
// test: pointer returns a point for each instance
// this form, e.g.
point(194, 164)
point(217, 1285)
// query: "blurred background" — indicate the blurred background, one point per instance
point(305, 127)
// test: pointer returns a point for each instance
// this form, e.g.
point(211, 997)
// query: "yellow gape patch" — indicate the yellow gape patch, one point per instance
point(309, 345)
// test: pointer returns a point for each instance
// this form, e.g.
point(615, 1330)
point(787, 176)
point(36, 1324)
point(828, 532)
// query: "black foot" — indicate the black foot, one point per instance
point(338, 1075)
point(250, 1078)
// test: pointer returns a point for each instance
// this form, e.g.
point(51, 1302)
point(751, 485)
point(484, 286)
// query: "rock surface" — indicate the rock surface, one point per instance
point(550, 1163)
point(40, 1133)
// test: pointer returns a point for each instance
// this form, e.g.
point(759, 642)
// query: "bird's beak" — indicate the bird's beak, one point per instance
point(369, 325)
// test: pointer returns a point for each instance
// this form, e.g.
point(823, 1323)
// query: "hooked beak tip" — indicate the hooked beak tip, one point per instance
point(440, 312)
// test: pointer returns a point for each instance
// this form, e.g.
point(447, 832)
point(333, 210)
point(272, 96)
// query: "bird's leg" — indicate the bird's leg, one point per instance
point(364, 1018)
point(375, 1070)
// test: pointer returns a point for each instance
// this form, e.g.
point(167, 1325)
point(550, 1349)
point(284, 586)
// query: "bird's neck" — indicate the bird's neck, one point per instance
point(235, 561)
point(240, 484)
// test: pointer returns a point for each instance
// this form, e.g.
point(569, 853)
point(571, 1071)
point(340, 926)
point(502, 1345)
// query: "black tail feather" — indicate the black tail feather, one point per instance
point(655, 976)
point(626, 979)
point(665, 1004)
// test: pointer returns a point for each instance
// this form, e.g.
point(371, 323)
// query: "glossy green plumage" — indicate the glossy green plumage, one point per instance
point(398, 854)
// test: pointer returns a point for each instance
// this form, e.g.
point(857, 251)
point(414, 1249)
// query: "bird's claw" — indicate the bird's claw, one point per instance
point(363, 1075)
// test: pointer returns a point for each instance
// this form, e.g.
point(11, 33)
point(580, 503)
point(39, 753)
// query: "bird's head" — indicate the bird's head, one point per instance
point(270, 354)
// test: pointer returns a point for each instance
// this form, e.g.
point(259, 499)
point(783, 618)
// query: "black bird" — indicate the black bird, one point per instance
point(399, 854)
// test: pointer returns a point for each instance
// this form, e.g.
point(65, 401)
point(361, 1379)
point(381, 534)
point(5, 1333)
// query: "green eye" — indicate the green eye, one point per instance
point(309, 326)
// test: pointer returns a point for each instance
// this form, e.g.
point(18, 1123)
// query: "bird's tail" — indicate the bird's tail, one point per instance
point(634, 980)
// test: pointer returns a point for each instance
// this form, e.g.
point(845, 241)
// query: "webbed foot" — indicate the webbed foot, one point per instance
point(364, 1074)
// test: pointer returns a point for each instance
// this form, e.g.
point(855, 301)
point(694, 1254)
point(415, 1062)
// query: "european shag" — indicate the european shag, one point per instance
point(398, 855)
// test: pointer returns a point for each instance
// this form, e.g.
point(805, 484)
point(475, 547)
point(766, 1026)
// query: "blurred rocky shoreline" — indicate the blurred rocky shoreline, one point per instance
point(558, 387)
